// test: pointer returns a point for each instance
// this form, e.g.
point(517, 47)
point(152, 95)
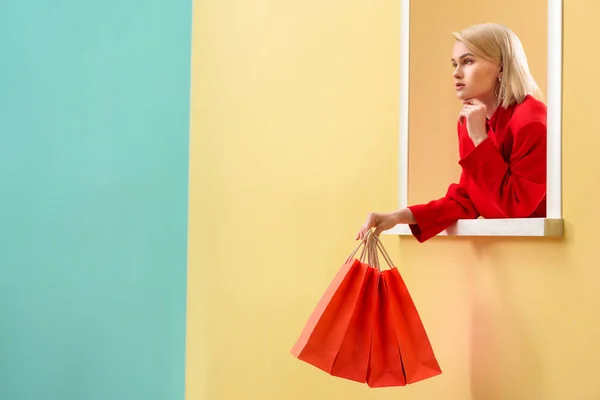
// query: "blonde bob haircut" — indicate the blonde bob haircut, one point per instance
point(496, 42)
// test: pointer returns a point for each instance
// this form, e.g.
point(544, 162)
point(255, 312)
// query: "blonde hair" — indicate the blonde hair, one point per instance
point(498, 43)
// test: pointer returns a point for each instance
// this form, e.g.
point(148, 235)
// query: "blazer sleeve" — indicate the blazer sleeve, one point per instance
point(518, 186)
point(433, 217)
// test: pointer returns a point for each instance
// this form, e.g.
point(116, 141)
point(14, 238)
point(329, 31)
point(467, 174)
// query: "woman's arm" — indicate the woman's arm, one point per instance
point(425, 220)
point(429, 219)
point(518, 186)
point(433, 217)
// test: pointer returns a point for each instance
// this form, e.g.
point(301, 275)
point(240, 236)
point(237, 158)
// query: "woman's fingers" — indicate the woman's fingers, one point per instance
point(361, 233)
point(464, 112)
point(371, 222)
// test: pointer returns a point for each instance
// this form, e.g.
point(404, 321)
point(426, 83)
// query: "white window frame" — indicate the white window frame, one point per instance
point(552, 225)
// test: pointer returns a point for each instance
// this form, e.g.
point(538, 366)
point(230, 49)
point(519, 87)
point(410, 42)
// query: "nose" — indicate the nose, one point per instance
point(457, 73)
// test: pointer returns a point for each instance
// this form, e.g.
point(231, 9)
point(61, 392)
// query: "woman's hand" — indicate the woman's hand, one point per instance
point(474, 112)
point(384, 221)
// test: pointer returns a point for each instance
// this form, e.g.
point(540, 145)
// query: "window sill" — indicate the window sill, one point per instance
point(516, 227)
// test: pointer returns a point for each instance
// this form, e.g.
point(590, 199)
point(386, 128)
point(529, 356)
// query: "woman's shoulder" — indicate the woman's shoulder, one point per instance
point(530, 110)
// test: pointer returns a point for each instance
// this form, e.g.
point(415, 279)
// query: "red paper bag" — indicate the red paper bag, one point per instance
point(385, 366)
point(323, 334)
point(418, 358)
point(352, 360)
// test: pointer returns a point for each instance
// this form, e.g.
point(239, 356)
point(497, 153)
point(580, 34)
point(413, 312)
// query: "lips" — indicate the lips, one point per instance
point(460, 86)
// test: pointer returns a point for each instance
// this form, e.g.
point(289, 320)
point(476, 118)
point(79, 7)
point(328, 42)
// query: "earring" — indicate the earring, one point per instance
point(498, 94)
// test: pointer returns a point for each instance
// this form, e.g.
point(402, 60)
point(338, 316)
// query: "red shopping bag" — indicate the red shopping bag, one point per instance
point(323, 334)
point(385, 366)
point(418, 357)
point(352, 360)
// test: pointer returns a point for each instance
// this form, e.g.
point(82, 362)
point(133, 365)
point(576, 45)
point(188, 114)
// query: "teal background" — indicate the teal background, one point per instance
point(94, 118)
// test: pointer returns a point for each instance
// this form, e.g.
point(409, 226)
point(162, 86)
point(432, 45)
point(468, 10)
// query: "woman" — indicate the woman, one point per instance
point(501, 137)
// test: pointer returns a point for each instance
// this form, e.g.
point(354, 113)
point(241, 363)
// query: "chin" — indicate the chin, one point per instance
point(466, 95)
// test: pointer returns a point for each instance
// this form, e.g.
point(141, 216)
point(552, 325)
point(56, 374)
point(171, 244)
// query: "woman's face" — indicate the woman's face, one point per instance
point(474, 77)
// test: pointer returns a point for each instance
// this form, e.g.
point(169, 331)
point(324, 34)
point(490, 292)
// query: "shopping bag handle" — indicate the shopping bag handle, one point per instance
point(371, 243)
point(363, 241)
point(385, 254)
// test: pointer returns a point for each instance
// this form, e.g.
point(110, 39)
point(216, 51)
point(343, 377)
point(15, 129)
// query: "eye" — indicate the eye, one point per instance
point(468, 61)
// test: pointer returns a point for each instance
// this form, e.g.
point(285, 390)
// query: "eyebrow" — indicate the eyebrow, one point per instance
point(463, 56)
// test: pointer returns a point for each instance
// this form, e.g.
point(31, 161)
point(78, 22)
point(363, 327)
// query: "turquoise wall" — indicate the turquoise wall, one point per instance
point(94, 118)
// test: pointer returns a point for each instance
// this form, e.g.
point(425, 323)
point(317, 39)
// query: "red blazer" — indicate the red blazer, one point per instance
point(503, 177)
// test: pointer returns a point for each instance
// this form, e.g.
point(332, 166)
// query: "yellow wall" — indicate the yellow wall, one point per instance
point(294, 139)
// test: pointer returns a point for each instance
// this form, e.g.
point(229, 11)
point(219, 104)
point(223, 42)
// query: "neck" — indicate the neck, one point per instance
point(491, 104)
